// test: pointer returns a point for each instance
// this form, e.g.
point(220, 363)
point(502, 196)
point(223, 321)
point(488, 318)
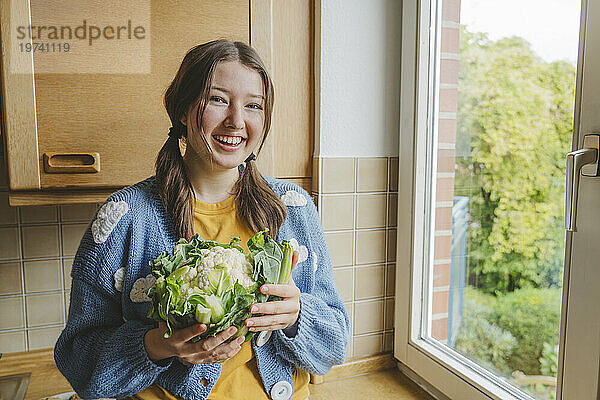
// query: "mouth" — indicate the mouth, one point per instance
point(229, 143)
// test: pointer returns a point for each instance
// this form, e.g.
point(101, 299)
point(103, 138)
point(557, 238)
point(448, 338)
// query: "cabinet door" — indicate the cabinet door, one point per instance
point(117, 118)
point(83, 127)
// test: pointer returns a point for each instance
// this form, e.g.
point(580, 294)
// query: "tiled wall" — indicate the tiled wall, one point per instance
point(36, 253)
point(357, 200)
point(357, 203)
point(37, 246)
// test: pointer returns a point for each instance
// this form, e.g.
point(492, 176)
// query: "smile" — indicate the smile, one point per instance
point(228, 140)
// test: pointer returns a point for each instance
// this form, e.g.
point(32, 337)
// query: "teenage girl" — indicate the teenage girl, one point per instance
point(220, 104)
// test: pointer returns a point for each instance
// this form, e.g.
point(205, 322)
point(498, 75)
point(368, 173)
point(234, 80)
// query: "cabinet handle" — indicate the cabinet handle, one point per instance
point(71, 163)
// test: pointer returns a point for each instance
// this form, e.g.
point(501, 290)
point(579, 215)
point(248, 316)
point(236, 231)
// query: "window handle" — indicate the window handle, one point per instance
point(580, 162)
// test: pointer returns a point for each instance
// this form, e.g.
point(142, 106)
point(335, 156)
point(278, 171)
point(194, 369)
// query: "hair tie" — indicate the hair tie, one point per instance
point(250, 158)
point(177, 130)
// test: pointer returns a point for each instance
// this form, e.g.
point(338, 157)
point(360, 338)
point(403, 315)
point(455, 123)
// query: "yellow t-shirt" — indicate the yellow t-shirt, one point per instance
point(239, 378)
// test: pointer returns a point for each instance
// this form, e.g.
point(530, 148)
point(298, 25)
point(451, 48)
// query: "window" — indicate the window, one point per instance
point(484, 135)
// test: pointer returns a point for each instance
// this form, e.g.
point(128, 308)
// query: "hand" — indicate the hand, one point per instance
point(277, 314)
point(205, 351)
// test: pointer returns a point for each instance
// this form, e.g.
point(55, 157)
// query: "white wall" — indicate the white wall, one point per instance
point(359, 78)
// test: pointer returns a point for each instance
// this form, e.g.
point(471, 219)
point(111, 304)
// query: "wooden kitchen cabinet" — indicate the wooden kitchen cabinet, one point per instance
point(77, 136)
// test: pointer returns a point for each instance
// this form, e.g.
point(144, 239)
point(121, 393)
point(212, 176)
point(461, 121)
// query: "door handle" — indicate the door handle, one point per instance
point(580, 162)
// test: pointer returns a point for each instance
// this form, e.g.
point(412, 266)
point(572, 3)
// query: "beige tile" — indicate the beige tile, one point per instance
point(10, 278)
point(37, 214)
point(392, 245)
point(388, 341)
point(341, 247)
point(390, 278)
point(44, 309)
point(12, 342)
point(71, 237)
point(77, 212)
point(371, 211)
point(8, 214)
point(370, 282)
point(372, 174)
point(67, 266)
point(316, 178)
point(370, 247)
point(44, 338)
point(11, 313)
point(338, 175)
point(42, 276)
point(393, 209)
point(393, 174)
point(40, 241)
point(349, 350)
point(368, 317)
point(10, 246)
point(350, 310)
point(344, 278)
point(337, 212)
point(367, 345)
point(388, 322)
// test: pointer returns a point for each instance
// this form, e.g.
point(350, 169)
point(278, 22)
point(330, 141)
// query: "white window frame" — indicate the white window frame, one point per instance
point(452, 374)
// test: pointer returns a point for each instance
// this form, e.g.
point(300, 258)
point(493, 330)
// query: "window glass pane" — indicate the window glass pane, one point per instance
point(503, 117)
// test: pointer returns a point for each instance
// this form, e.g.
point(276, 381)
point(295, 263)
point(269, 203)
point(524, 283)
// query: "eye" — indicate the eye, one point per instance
point(255, 106)
point(217, 99)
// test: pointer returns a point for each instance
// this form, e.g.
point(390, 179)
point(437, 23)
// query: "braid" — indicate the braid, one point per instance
point(256, 202)
point(175, 188)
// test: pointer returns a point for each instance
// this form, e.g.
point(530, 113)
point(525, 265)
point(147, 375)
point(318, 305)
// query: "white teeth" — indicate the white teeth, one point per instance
point(229, 139)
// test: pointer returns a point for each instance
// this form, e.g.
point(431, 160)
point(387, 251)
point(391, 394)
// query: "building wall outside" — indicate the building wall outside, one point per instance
point(448, 105)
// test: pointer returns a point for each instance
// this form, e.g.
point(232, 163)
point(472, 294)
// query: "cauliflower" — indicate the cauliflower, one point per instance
point(237, 266)
point(215, 284)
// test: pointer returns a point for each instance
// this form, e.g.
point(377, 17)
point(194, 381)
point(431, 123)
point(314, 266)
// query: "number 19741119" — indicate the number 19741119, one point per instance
point(45, 47)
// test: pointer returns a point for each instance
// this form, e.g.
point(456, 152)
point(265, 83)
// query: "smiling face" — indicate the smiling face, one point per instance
point(233, 120)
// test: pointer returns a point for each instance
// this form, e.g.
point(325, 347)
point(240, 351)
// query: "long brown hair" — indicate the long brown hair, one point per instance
point(257, 205)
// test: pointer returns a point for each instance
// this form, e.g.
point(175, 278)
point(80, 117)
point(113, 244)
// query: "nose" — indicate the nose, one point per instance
point(235, 118)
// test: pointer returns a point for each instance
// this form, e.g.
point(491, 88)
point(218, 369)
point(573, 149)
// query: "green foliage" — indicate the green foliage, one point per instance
point(517, 331)
point(549, 360)
point(515, 115)
point(483, 342)
point(532, 316)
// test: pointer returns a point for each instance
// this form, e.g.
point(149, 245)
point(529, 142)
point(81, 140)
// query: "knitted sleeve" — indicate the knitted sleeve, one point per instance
point(323, 327)
point(99, 353)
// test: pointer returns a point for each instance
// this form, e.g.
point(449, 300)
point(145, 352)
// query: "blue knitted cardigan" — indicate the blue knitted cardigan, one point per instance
point(101, 350)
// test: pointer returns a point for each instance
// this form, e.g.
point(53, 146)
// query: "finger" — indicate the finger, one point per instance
point(275, 307)
point(229, 354)
point(186, 334)
point(280, 290)
point(271, 322)
point(228, 350)
point(210, 343)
